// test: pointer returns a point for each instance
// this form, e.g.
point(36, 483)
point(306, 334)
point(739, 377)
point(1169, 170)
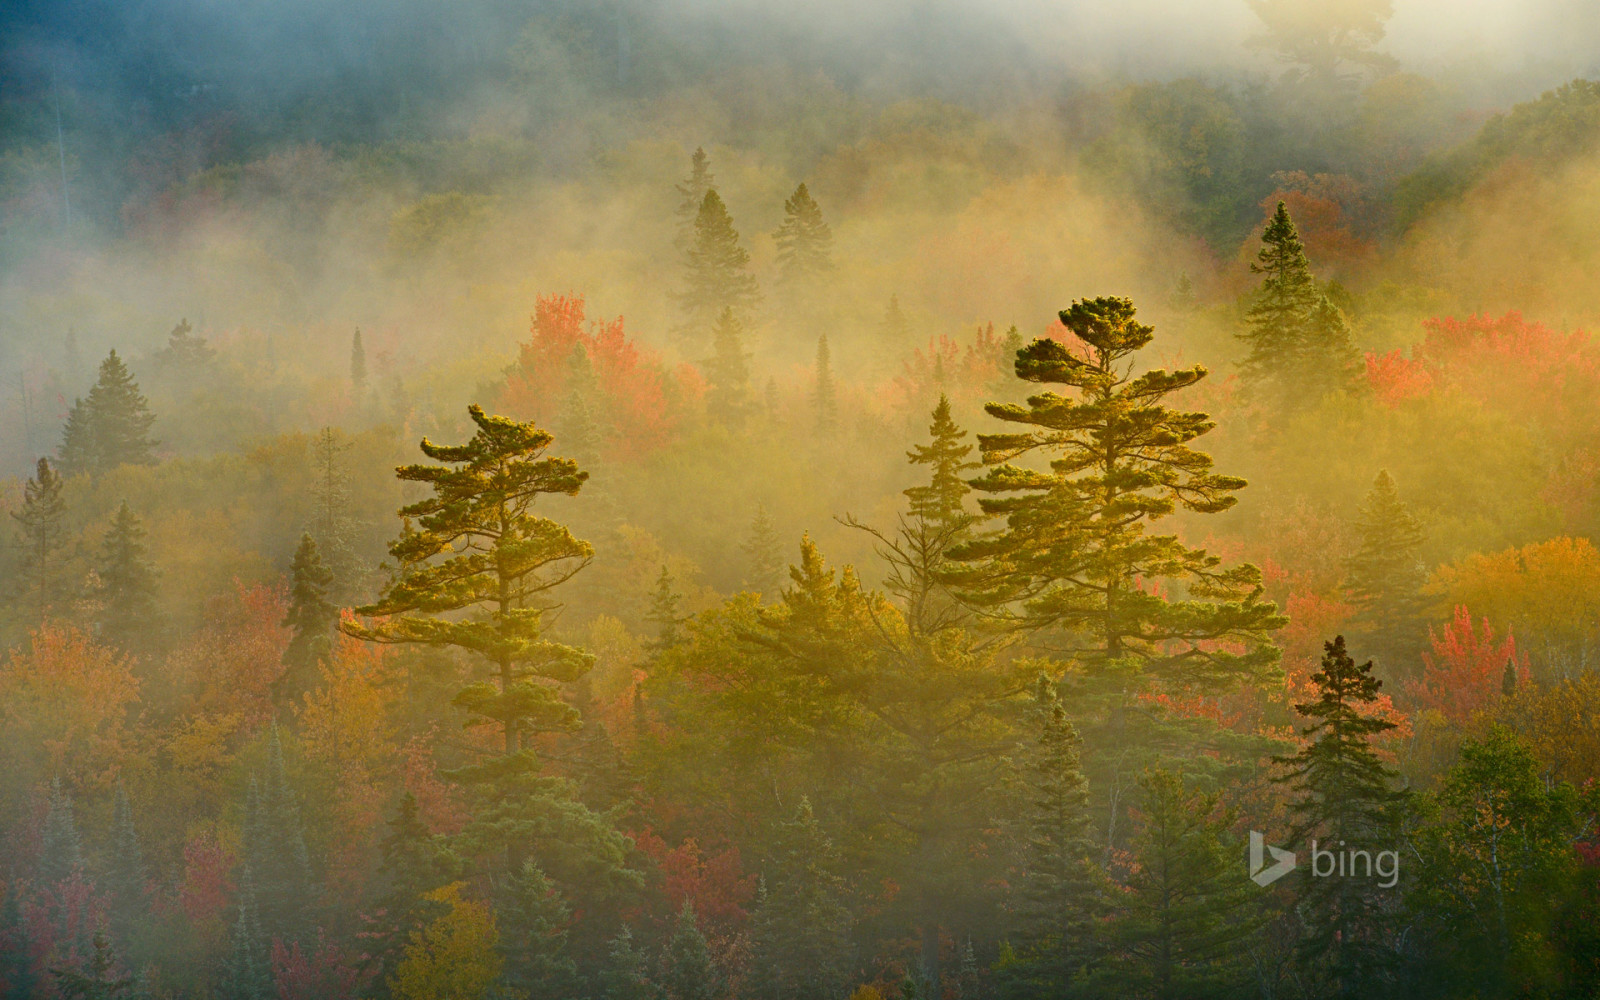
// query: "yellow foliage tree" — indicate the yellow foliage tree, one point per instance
point(1561, 723)
point(455, 957)
point(1546, 594)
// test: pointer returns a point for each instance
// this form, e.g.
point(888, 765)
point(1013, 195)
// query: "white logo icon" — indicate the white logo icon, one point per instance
point(1259, 872)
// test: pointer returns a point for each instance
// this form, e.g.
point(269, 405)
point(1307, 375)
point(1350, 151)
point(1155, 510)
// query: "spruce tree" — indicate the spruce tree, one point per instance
point(688, 973)
point(275, 851)
point(1345, 798)
point(805, 243)
point(1182, 927)
point(312, 617)
point(61, 850)
point(127, 586)
point(942, 501)
point(728, 371)
point(412, 865)
point(476, 545)
point(716, 275)
point(184, 351)
point(1385, 576)
point(582, 431)
point(1056, 903)
point(800, 929)
point(332, 524)
point(1299, 342)
point(98, 981)
point(247, 970)
point(533, 922)
point(824, 397)
point(109, 428)
point(358, 363)
point(693, 193)
point(895, 329)
point(663, 614)
point(1078, 552)
point(16, 954)
point(43, 519)
point(625, 974)
point(763, 551)
point(127, 879)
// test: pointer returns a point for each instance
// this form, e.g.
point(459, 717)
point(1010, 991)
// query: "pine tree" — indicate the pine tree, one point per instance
point(358, 362)
point(1056, 903)
point(412, 866)
point(109, 428)
point(98, 982)
point(1299, 342)
point(688, 972)
point(895, 330)
point(184, 351)
point(311, 616)
point(126, 881)
point(16, 953)
point(1344, 797)
point(824, 397)
point(332, 524)
point(61, 852)
point(43, 519)
point(716, 273)
point(533, 939)
point(248, 972)
point(663, 614)
point(275, 851)
point(693, 191)
point(763, 551)
point(800, 930)
point(476, 545)
point(942, 501)
point(970, 981)
point(728, 371)
point(1078, 553)
point(625, 975)
point(805, 243)
point(127, 586)
point(1386, 574)
point(582, 432)
point(1183, 922)
point(1508, 680)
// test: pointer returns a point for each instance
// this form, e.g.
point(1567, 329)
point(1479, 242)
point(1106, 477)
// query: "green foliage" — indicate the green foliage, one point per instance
point(358, 362)
point(99, 981)
point(625, 975)
point(1321, 39)
point(413, 864)
point(763, 551)
point(824, 395)
point(312, 618)
point(248, 972)
point(800, 944)
point(693, 190)
point(1386, 575)
point(109, 428)
point(728, 400)
point(16, 957)
point(941, 503)
point(127, 586)
point(805, 243)
point(60, 849)
point(275, 852)
point(127, 879)
point(716, 275)
point(687, 970)
point(185, 353)
point(43, 518)
point(664, 615)
point(533, 940)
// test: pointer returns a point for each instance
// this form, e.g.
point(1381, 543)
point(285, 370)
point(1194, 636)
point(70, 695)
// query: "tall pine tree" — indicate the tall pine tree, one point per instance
point(664, 615)
point(800, 931)
point(312, 617)
point(728, 399)
point(127, 878)
point(275, 851)
point(61, 849)
point(692, 193)
point(1385, 576)
point(1345, 798)
point(358, 363)
point(824, 396)
point(109, 428)
point(687, 969)
point(716, 271)
point(412, 865)
point(533, 939)
point(247, 971)
point(41, 578)
point(626, 972)
point(127, 617)
point(941, 501)
point(763, 551)
point(805, 244)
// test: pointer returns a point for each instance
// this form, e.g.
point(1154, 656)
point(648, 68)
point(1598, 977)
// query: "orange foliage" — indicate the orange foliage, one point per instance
point(64, 703)
point(962, 373)
point(1463, 674)
point(715, 883)
point(640, 413)
point(207, 886)
point(1321, 206)
point(230, 664)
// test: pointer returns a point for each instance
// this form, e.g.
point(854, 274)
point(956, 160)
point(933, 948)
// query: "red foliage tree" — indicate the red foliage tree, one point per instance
point(1463, 674)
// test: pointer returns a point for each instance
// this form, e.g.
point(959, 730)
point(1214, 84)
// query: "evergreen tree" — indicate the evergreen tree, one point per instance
point(1078, 553)
point(358, 362)
point(1508, 680)
point(275, 851)
point(693, 191)
point(333, 527)
point(412, 866)
point(16, 954)
point(728, 371)
point(970, 981)
point(248, 970)
point(109, 428)
point(941, 501)
point(625, 975)
point(582, 433)
point(127, 586)
point(61, 850)
point(1056, 901)
point(311, 616)
point(805, 243)
point(1386, 576)
point(43, 519)
point(800, 930)
point(126, 881)
point(1181, 930)
point(824, 397)
point(663, 614)
point(476, 545)
point(1344, 796)
point(763, 551)
point(688, 972)
point(184, 351)
point(1299, 342)
point(98, 982)
point(533, 920)
point(716, 275)
point(895, 330)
